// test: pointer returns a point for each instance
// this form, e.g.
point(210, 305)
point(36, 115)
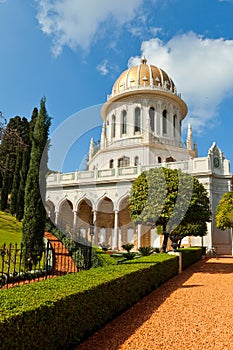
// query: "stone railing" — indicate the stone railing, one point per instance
point(146, 87)
point(192, 166)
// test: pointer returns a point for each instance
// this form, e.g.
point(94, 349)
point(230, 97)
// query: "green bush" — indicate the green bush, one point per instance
point(146, 250)
point(58, 313)
point(190, 256)
point(128, 246)
point(100, 258)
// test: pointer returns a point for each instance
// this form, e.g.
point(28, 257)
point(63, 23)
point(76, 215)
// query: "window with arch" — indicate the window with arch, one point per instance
point(136, 160)
point(137, 120)
point(159, 160)
point(111, 163)
point(174, 124)
point(124, 122)
point(113, 126)
point(152, 118)
point(164, 121)
point(123, 162)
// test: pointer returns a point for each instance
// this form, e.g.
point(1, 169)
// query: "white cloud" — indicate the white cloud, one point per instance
point(103, 68)
point(201, 69)
point(75, 23)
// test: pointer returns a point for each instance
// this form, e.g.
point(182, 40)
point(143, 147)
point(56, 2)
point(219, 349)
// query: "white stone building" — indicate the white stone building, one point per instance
point(142, 121)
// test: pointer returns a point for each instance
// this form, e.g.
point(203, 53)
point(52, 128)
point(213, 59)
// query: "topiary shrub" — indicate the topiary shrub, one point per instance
point(128, 246)
point(145, 251)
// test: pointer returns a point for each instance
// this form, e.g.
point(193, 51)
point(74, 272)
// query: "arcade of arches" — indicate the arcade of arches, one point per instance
point(106, 224)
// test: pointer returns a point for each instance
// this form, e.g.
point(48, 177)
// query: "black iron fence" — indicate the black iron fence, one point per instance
point(55, 260)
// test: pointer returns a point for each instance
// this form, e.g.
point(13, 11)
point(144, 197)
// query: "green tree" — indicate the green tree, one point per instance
point(22, 184)
point(16, 183)
point(224, 212)
point(171, 199)
point(14, 138)
point(5, 185)
point(25, 165)
point(34, 211)
point(198, 214)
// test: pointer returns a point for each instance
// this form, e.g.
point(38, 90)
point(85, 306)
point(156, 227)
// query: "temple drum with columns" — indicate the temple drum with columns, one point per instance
point(142, 123)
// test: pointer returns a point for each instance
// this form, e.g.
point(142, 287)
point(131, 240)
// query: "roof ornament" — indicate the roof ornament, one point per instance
point(143, 59)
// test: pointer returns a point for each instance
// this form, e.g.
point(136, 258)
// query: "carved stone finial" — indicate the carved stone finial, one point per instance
point(143, 59)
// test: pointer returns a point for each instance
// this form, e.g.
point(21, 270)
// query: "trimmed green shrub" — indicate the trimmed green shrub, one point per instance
point(146, 250)
point(58, 313)
point(100, 258)
point(190, 255)
point(128, 246)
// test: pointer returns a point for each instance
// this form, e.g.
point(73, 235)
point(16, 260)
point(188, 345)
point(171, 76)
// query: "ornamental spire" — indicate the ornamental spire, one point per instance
point(189, 140)
point(143, 59)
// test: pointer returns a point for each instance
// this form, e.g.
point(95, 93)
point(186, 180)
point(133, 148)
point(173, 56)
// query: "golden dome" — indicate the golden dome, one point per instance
point(143, 76)
point(141, 79)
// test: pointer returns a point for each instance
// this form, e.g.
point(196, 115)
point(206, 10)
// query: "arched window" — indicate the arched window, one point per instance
point(152, 118)
point(111, 163)
point(164, 121)
point(124, 122)
point(123, 162)
point(174, 124)
point(136, 160)
point(113, 126)
point(159, 160)
point(137, 121)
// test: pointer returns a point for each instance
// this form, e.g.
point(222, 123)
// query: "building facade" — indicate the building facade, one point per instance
point(142, 123)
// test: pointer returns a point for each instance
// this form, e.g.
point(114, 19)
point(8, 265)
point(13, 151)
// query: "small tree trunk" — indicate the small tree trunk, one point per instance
point(165, 239)
point(179, 244)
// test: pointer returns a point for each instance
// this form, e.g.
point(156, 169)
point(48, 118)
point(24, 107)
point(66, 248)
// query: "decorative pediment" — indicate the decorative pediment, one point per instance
point(215, 151)
point(216, 156)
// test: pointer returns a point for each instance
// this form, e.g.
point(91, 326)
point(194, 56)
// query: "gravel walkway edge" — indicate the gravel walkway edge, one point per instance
point(192, 311)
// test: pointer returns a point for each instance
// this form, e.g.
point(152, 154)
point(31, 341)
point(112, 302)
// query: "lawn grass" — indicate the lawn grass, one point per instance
point(10, 229)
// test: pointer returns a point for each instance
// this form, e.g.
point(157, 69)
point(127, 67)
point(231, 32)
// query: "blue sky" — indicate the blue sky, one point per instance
point(72, 51)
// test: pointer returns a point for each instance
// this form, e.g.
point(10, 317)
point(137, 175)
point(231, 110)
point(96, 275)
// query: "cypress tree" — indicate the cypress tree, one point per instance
point(5, 185)
point(16, 182)
point(34, 210)
point(25, 165)
point(23, 178)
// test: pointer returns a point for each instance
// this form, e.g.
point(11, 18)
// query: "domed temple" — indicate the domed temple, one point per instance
point(142, 123)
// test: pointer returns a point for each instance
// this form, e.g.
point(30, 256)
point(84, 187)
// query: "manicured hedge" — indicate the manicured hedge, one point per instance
point(58, 313)
point(190, 256)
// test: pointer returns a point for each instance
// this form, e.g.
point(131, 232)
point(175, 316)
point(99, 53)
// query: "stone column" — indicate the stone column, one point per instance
point(139, 235)
point(95, 228)
point(56, 217)
point(75, 220)
point(115, 236)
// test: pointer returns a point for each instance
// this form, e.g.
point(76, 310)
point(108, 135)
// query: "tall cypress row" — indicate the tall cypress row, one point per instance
point(34, 211)
point(5, 185)
point(25, 166)
point(16, 183)
point(22, 185)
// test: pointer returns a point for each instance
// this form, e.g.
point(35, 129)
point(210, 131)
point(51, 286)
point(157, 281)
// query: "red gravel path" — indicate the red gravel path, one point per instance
point(192, 311)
